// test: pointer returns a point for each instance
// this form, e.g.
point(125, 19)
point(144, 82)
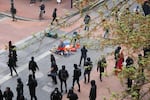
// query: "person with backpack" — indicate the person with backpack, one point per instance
point(56, 95)
point(71, 95)
point(63, 76)
point(53, 73)
point(32, 84)
point(87, 19)
point(54, 15)
point(76, 76)
point(33, 66)
point(19, 88)
point(101, 65)
point(87, 69)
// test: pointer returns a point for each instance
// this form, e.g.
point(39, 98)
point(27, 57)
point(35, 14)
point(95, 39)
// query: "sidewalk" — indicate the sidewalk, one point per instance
point(26, 10)
point(109, 86)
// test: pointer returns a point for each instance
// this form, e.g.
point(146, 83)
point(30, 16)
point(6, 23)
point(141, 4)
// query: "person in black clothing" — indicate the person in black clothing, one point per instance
point(42, 10)
point(32, 83)
point(93, 91)
point(101, 65)
point(146, 7)
point(53, 73)
point(13, 13)
point(54, 16)
point(87, 69)
point(63, 76)
point(76, 76)
point(19, 88)
point(33, 66)
point(56, 95)
point(86, 21)
point(1, 94)
point(146, 51)
point(10, 47)
point(53, 61)
point(11, 65)
point(129, 62)
point(116, 54)
point(14, 53)
point(83, 55)
point(71, 95)
point(8, 94)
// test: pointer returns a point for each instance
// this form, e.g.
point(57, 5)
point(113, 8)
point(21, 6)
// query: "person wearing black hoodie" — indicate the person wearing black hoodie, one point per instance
point(93, 91)
point(71, 95)
point(19, 88)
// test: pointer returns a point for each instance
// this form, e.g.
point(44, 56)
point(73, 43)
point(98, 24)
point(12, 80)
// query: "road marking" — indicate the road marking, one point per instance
point(47, 89)
point(39, 74)
point(20, 69)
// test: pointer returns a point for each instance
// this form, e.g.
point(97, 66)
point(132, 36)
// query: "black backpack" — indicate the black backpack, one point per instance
point(79, 72)
point(64, 75)
point(35, 82)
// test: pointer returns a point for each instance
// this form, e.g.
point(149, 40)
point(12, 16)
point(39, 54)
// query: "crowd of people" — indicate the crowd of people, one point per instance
point(63, 74)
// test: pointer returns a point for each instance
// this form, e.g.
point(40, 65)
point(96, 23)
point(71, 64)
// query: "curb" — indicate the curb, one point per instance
point(20, 18)
point(40, 33)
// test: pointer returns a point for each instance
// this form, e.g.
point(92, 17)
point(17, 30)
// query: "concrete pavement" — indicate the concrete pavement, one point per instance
point(28, 11)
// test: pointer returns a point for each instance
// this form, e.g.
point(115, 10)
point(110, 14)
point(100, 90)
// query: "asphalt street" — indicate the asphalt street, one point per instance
point(40, 49)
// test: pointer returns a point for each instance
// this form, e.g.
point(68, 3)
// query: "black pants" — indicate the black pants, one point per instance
point(86, 73)
point(13, 17)
point(82, 57)
point(100, 76)
point(54, 19)
point(33, 73)
point(129, 83)
point(76, 80)
point(11, 70)
point(33, 94)
point(54, 78)
point(61, 83)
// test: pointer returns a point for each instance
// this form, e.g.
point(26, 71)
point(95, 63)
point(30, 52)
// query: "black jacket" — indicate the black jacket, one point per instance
point(33, 65)
point(72, 96)
point(56, 95)
point(93, 90)
point(8, 95)
point(84, 52)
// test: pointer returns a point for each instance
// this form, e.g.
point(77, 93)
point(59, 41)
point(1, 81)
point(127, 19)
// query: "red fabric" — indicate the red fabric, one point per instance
point(120, 63)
